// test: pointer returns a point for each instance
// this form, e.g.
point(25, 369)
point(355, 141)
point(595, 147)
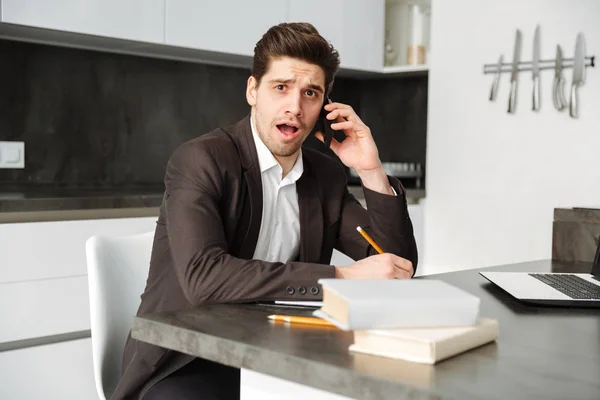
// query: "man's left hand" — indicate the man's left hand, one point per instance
point(358, 150)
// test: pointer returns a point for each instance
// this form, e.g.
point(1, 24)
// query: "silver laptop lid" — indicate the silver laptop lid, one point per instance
point(596, 264)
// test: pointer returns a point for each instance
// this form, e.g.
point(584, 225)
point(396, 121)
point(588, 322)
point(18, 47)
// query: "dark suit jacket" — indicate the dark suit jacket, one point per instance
point(208, 228)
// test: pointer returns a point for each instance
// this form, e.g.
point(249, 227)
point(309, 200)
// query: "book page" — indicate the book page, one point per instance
point(299, 303)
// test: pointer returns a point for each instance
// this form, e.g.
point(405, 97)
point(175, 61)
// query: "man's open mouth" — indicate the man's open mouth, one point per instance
point(287, 129)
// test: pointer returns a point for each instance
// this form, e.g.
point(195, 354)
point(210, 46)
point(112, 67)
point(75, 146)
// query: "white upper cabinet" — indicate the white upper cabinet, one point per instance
point(325, 15)
point(364, 31)
point(139, 20)
point(354, 27)
point(213, 31)
point(227, 26)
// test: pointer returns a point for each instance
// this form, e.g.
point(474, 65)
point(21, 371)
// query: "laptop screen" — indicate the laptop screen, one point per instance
point(596, 264)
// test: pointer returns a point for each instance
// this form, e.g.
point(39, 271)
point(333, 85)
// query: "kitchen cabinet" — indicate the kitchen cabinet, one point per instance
point(42, 308)
point(406, 42)
point(354, 27)
point(43, 270)
point(257, 386)
point(44, 293)
point(139, 20)
point(55, 371)
point(47, 250)
point(214, 32)
point(226, 26)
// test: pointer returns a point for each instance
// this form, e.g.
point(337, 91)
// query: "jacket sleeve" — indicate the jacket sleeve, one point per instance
point(386, 220)
point(205, 269)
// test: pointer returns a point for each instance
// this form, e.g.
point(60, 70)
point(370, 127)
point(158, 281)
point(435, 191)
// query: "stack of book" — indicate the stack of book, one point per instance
point(416, 320)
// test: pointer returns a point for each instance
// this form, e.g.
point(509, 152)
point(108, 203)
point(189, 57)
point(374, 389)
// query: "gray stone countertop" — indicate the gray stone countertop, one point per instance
point(541, 352)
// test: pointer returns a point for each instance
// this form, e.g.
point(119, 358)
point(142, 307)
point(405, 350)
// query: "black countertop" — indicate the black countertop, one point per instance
point(27, 198)
point(541, 352)
point(54, 198)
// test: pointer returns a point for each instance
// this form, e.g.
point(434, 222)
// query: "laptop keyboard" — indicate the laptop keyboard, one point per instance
point(572, 285)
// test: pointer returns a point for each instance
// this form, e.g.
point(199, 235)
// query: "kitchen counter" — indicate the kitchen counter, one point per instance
point(46, 198)
point(412, 195)
point(28, 203)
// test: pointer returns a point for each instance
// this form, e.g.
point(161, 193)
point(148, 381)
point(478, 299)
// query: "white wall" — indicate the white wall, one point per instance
point(493, 179)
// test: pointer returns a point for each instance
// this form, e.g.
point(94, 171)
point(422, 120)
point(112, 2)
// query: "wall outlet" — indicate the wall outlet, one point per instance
point(12, 155)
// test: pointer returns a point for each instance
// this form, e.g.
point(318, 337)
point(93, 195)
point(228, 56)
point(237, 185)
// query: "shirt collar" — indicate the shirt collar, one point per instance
point(266, 160)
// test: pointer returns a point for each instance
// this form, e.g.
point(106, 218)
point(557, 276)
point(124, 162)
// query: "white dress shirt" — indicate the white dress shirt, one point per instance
point(279, 237)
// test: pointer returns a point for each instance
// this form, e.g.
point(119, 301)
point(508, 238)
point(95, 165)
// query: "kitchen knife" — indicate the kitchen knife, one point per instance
point(578, 74)
point(558, 88)
point(512, 99)
point(494, 90)
point(535, 68)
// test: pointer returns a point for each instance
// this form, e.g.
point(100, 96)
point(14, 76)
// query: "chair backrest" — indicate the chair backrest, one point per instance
point(117, 273)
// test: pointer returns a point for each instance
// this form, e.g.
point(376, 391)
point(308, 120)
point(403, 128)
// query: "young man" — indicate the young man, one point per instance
point(248, 215)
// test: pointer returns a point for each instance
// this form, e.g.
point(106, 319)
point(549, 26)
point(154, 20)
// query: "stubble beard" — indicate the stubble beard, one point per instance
point(277, 149)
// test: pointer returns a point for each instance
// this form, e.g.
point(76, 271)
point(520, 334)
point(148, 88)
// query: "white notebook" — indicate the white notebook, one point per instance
point(353, 304)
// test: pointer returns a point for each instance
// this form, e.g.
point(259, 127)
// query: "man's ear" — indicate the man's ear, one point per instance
point(251, 91)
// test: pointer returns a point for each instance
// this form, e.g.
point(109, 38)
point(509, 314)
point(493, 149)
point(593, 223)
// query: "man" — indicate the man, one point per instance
point(248, 215)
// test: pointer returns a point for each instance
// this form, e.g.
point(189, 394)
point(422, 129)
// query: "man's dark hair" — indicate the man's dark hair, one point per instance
point(299, 40)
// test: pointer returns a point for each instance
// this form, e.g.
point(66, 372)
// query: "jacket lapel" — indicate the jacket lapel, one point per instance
point(251, 214)
point(254, 184)
point(311, 216)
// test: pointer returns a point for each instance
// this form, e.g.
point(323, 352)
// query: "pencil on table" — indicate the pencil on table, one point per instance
point(300, 320)
point(368, 238)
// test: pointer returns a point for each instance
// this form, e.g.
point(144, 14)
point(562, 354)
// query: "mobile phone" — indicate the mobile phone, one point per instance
point(324, 125)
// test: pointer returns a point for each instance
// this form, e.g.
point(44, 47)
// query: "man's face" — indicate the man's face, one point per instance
point(286, 104)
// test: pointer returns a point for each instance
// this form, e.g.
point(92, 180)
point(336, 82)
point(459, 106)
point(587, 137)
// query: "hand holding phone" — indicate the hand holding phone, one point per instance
point(358, 149)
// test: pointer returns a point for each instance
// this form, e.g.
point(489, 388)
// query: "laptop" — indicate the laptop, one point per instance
point(561, 289)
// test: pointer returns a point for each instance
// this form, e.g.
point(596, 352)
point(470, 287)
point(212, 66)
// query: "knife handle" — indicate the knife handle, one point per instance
point(494, 87)
point(573, 104)
point(561, 92)
point(536, 93)
point(558, 94)
point(512, 99)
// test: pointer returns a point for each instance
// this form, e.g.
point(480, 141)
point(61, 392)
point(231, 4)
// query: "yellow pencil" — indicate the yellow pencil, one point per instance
point(371, 241)
point(300, 320)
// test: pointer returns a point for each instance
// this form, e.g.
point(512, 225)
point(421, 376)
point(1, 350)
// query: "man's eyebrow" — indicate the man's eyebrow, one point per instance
point(316, 87)
point(312, 86)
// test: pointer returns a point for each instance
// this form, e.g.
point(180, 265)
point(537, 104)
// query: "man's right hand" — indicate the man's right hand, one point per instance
point(379, 266)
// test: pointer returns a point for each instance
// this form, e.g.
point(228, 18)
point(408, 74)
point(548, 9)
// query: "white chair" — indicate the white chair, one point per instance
point(117, 272)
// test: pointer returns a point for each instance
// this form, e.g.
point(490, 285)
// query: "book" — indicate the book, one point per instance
point(394, 369)
point(424, 345)
point(303, 303)
point(358, 304)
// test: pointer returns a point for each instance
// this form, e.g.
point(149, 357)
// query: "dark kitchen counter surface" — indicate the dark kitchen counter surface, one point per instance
point(412, 195)
point(20, 198)
point(34, 202)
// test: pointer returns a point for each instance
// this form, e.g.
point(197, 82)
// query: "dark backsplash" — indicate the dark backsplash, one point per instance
point(93, 118)
point(396, 111)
